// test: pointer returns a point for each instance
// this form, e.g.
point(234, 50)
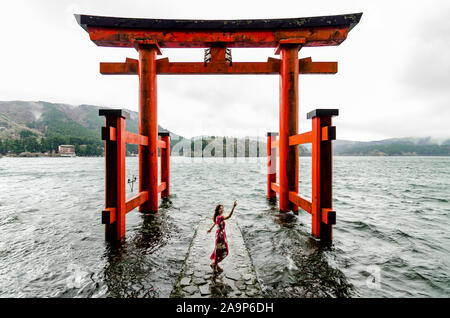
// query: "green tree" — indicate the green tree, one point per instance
point(31, 144)
point(16, 146)
point(26, 133)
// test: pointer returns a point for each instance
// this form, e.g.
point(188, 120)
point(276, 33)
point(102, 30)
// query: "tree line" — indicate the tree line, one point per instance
point(30, 142)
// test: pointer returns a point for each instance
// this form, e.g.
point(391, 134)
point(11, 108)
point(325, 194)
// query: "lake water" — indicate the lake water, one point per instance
point(391, 239)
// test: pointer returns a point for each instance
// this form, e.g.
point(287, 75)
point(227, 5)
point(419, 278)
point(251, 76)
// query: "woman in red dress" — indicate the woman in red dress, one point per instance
point(221, 247)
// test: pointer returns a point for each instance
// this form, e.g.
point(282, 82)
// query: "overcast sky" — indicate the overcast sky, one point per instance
point(393, 79)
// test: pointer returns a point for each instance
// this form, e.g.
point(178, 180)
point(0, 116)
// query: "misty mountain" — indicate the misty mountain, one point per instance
point(409, 146)
point(27, 126)
point(40, 127)
point(43, 118)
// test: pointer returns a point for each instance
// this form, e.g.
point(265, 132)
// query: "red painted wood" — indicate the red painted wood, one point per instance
point(322, 160)
point(195, 68)
point(165, 165)
point(164, 67)
point(300, 139)
point(130, 67)
point(146, 43)
point(314, 36)
point(148, 156)
point(109, 133)
point(307, 66)
point(288, 126)
point(161, 144)
point(218, 54)
point(109, 216)
point(328, 216)
point(136, 139)
point(271, 166)
point(120, 176)
point(135, 201)
point(326, 180)
point(328, 133)
point(110, 179)
point(162, 186)
point(299, 41)
point(301, 202)
point(316, 139)
point(275, 187)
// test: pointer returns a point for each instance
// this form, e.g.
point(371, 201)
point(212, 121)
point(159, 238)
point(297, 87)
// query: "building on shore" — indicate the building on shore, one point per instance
point(66, 150)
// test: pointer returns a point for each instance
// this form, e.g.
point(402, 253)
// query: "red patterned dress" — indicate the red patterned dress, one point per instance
point(221, 248)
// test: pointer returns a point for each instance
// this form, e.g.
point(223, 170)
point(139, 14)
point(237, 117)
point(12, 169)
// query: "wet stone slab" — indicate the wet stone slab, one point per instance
point(197, 278)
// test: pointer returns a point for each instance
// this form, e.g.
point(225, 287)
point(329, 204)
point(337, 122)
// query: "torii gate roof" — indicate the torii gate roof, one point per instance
point(122, 32)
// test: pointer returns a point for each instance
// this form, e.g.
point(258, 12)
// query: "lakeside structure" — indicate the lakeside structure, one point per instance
point(218, 37)
point(66, 150)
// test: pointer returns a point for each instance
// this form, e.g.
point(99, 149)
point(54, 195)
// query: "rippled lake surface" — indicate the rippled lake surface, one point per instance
point(391, 239)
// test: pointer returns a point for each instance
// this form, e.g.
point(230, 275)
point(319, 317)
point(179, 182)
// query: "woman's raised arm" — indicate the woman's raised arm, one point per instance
point(231, 212)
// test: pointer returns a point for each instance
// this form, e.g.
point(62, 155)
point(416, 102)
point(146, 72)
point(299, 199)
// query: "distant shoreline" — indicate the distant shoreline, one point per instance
point(41, 155)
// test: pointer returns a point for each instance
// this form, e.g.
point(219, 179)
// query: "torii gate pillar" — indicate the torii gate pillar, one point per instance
point(289, 71)
point(148, 124)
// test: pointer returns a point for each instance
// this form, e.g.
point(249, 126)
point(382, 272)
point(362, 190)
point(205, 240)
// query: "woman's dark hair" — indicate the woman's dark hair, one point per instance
point(216, 212)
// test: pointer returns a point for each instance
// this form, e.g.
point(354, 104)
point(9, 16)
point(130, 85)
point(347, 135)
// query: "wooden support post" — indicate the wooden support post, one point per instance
point(148, 125)
point(322, 162)
point(271, 165)
point(165, 163)
point(115, 172)
point(288, 124)
point(218, 53)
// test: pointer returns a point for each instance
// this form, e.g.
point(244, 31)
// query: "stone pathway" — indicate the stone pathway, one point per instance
point(197, 279)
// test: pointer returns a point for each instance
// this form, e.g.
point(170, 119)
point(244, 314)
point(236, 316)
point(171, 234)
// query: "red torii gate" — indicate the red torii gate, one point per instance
point(287, 36)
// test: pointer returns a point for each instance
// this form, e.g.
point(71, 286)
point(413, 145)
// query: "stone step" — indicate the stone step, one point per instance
point(238, 278)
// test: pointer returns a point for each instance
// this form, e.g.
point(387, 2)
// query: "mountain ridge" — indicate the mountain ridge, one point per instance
point(40, 126)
